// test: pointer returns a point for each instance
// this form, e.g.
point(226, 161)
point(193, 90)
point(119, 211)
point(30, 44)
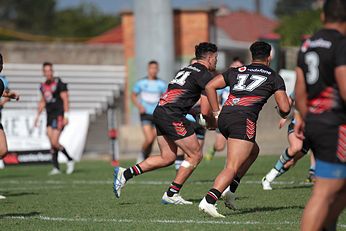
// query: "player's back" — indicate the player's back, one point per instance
point(250, 88)
point(318, 57)
point(185, 89)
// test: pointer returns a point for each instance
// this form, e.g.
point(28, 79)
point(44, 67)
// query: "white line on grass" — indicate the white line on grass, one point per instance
point(153, 221)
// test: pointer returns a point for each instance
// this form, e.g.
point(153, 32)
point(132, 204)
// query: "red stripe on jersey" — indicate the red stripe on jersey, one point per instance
point(171, 96)
point(341, 151)
point(323, 102)
point(243, 101)
point(250, 129)
point(179, 128)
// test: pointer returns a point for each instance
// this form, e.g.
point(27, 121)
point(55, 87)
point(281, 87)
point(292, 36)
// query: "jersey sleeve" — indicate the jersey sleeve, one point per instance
point(204, 80)
point(341, 54)
point(137, 88)
point(279, 84)
point(163, 87)
point(62, 86)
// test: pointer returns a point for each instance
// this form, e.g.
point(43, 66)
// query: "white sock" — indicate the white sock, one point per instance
point(272, 175)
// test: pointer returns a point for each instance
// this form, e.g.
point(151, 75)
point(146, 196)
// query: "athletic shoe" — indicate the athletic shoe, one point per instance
point(54, 171)
point(210, 154)
point(229, 200)
point(310, 178)
point(70, 167)
point(2, 197)
point(2, 164)
point(119, 180)
point(266, 184)
point(209, 209)
point(176, 199)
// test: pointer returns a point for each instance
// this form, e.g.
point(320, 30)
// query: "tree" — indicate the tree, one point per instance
point(290, 7)
point(293, 27)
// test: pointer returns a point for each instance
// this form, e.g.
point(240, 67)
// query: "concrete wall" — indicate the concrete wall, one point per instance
point(62, 53)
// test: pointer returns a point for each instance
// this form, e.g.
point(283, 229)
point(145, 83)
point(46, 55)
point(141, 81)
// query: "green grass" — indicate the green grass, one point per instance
point(85, 200)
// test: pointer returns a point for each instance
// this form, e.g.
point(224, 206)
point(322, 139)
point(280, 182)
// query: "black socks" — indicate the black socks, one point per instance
point(173, 189)
point(132, 171)
point(212, 196)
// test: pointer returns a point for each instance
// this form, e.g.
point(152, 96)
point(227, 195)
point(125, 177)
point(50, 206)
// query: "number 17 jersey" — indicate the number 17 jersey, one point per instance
point(185, 89)
point(250, 88)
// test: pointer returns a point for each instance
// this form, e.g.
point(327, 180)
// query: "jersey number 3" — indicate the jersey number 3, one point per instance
point(181, 77)
point(257, 80)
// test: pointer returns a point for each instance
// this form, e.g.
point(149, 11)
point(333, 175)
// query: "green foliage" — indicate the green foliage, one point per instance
point(40, 17)
point(293, 27)
point(285, 7)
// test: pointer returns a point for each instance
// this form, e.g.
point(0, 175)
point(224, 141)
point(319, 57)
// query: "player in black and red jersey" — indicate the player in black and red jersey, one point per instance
point(321, 100)
point(250, 88)
point(56, 101)
point(173, 128)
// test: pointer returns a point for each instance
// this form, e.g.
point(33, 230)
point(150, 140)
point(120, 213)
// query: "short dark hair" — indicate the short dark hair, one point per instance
point(1, 62)
point(334, 10)
point(153, 62)
point(47, 64)
point(260, 50)
point(202, 49)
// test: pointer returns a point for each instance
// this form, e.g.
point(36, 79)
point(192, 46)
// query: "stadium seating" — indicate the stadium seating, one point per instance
point(91, 87)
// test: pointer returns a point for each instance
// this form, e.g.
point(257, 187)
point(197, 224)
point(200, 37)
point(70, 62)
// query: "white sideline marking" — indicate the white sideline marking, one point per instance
point(154, 221)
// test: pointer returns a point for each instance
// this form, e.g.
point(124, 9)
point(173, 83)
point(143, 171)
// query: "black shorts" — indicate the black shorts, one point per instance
point(147, 119)
point(1, 127)
point(328, 141)
point(237, 126)
point(199, 130)
point(55, 121)
point(175, 127)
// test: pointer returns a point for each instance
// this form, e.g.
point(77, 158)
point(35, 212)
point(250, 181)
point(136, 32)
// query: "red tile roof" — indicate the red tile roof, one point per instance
point(113, 36)
point(245, 26)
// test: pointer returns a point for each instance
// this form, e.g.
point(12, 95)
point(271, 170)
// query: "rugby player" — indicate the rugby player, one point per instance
point(321, 101)
point(220, 141)
point(250, 88)
point(56, 101)
point(4, 92)
point(173, 129)
point(296, 150)
point(146, 94)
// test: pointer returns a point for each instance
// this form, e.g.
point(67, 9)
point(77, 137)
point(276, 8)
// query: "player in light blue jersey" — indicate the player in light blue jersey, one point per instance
point(146, 94)
point(4, 92)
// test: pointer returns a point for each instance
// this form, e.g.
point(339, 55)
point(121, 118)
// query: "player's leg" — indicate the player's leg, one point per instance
point(219, 145)
point(168, 151)
point(311, 175)
point(56, 166)
point(325, 205)
point(229, 194)
point(149, 133)
point(295, 146)
point(3, 149)
point(238, 152)
point(181, 156)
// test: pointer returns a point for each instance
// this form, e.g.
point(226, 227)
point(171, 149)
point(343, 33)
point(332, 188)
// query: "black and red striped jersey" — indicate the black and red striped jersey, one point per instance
point(318, 57)
point(50, 91)
point(250, 88)
point(185, 89)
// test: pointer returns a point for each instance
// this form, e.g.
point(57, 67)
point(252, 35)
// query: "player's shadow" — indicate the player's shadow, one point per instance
point(9, 194)
point(295, 187)
point(197, 200)
point(9, 215)
point(263, 209)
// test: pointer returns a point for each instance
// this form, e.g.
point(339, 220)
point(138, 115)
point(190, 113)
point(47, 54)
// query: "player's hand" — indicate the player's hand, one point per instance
point(13, 95)
point(282, 123)
point(299, 127)
point(65, 122)
point(141, 109)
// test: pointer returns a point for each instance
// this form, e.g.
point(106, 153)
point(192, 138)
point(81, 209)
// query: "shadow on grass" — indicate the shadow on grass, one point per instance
point(263, 209)
point(30, 214)
point(295, 187)
point(9, 194)
point(195, 200)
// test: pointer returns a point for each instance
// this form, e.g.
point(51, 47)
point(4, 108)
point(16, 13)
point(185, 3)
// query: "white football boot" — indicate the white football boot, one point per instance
point(229, 199)
point(2, 164)
point(54, 171)
point(209, 209)
point(2, 197)
point(176, 199)
point(70, 167)
point(266, 184)
point(118, 181)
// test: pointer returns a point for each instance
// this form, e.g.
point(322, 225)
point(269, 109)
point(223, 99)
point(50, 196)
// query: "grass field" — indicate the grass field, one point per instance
point(85, 201)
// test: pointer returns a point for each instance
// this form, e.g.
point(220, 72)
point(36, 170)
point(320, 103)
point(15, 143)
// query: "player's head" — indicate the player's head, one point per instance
point(334, 11)
point(207, 53)
point(1, 63)
point(193, 60)
point(153, 69)
point(236, 62)
point(47, 69)
point(260, 52)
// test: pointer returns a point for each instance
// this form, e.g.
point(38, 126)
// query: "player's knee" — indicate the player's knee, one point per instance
point(295, 148)
point(55, 145)
point(168, 161)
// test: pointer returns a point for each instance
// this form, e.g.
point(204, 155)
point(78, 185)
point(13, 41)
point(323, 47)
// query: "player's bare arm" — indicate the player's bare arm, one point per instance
point(340, 76)
point(65, 99)
point(301, 102)
point(217, 83)
point(282, 101)
point(11, 95)
point(136, 103)
point(41, 106)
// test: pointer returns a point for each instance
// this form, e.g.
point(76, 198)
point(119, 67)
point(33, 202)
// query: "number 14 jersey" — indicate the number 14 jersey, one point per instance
point(185, 89)
point(250, 88)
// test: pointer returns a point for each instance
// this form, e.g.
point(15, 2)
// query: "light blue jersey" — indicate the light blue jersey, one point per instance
point(223, 93)
point(149, 92)
point(4, 82)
